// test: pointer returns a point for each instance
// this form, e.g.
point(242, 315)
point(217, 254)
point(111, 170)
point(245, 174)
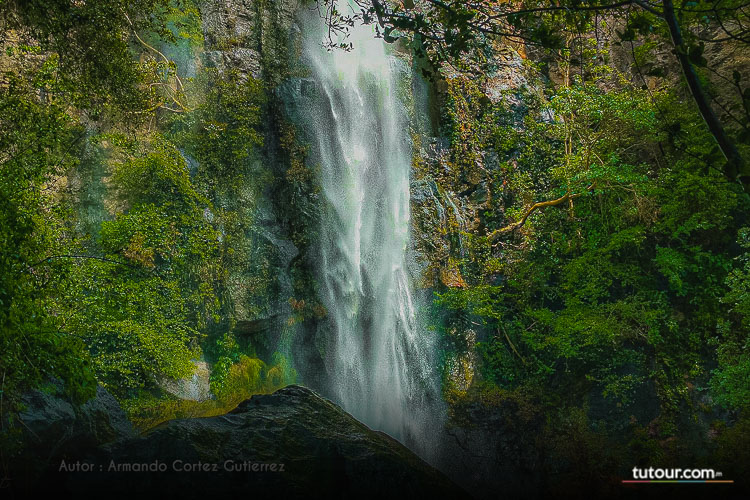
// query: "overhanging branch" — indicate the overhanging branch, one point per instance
point(536, 206)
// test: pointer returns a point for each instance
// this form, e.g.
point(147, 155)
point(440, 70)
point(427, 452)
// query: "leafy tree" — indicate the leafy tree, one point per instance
point(611, 293)
point(730, 380)
point(223, 131)
point(36, 140)
point(463, 33)
point(132, 301)
point(96, 65)
point(141, 312)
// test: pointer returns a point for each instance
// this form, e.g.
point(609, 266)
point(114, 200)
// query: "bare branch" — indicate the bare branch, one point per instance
point(536, 206)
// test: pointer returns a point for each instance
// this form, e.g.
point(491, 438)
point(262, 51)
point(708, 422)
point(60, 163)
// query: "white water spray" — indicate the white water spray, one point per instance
point(379, 358)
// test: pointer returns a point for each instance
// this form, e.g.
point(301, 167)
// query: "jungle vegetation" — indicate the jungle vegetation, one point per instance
point(606, 276)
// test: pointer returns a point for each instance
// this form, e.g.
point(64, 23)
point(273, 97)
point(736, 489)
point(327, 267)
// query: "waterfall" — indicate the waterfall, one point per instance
point(379, 358)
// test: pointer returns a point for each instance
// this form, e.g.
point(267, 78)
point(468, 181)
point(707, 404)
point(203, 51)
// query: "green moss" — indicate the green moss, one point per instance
point(231, 383)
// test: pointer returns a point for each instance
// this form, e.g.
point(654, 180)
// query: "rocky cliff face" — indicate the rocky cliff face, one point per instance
point(250, 36)
point(292, 443)
point(252, 39)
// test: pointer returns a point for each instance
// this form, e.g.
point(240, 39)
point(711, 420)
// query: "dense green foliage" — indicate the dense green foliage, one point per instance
point(463, 35)
point(35, 143)
point(117, 252)
point(618, 307)
point(596, 301)
point(143, 316)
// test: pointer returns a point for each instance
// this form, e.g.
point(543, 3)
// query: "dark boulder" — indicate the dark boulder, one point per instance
point(52, 425)
point(50, 428)
point(292, 443)
point(47, 420)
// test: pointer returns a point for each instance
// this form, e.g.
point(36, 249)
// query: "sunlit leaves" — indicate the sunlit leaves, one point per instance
point(36, 141)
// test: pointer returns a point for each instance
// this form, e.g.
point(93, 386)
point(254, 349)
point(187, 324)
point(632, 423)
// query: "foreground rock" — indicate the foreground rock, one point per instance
point(52, 426)
point(292, 443)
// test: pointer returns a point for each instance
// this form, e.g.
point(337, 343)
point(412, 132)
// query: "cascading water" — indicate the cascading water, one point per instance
point(379, 359)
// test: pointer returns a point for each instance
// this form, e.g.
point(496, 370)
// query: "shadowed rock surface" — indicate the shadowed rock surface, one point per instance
point(324, 451)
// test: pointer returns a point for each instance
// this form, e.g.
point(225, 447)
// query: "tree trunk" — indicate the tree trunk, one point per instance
point(735, 168)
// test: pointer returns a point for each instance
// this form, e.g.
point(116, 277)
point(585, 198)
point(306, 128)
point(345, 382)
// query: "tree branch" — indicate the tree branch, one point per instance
point(735, 169)
point(167, 61)
point(531, 210)
point(536, 206)
point(512, 346)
